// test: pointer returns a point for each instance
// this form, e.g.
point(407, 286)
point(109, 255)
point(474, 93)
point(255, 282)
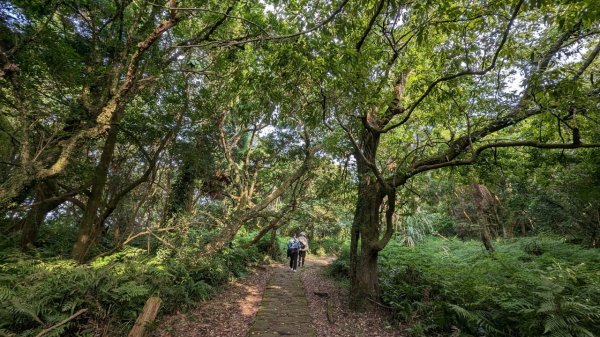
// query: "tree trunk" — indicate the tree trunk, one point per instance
point(274, 250)
point(505, 232)
point(486, 236)
point(523, 228)
point(36, 215)
point(366, 229)
point(91, 224)
point(182, 194)
point(367, 281)
point(364, 282)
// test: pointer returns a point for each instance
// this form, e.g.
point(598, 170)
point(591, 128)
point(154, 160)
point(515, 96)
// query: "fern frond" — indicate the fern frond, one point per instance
point(6, 333)
point(474, 317)
point(583, 332)
point(25, 310)
point(547, 307)
point(555, 324)
point(6, 294)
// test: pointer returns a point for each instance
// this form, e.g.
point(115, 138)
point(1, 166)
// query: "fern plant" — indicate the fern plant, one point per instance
point(38, 293)
point(561, 308)
point(446, 286)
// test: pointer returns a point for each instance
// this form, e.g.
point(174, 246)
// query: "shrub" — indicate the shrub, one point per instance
point(340, 268)
point(327, 246)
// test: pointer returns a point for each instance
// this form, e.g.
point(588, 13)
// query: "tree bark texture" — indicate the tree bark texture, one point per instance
point(366, 226)
point(91, 224)
point(146, 317)
point(366, 231)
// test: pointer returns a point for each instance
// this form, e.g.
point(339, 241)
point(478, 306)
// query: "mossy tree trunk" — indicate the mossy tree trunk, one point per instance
point(90, 227)
point(36, 215)
point(486, 235)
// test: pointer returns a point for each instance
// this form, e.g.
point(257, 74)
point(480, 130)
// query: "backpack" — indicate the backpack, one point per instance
point(294, 245)
point(303, 243)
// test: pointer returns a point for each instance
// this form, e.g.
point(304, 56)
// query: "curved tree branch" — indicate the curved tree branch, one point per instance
point(242, 41)
point(363, 38)
point(588, 61)
point(411, 108)
point(482, 148)
point(519, 113)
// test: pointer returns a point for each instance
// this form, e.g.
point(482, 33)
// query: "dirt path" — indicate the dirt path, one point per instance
point(259, 305)
point(284, 308)
point(228, 314)
point(331, 314)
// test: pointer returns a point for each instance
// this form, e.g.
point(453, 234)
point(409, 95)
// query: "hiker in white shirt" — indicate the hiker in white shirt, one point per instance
point(303, 248)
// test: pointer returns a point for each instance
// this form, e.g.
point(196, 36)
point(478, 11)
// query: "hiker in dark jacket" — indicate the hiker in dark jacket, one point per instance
point(293, 249)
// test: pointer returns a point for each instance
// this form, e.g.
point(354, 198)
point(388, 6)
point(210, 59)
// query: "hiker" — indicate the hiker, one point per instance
point(293, 248)
point(303, 248)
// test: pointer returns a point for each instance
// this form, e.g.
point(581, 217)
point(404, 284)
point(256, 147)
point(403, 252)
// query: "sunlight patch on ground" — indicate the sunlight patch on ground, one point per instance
point(249, 304)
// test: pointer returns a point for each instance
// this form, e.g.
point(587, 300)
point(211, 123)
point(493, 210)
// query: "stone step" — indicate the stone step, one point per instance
point(284, 307)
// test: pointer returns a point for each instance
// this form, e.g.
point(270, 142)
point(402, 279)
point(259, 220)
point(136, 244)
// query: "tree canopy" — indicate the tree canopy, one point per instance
point(130, 119)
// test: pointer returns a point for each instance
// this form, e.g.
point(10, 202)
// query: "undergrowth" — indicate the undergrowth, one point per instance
point(39, 292)
point(530, 287)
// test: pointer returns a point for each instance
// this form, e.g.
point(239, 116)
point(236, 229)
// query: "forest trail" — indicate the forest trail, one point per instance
point(284, 308)
point(259, 305)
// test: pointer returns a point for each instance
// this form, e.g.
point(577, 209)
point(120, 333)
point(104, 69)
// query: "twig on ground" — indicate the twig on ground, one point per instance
point(45, 331)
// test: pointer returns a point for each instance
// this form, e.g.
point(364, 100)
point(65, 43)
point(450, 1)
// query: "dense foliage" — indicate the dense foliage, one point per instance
point(157, 147)
point(37, 292)
point(533, 286)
